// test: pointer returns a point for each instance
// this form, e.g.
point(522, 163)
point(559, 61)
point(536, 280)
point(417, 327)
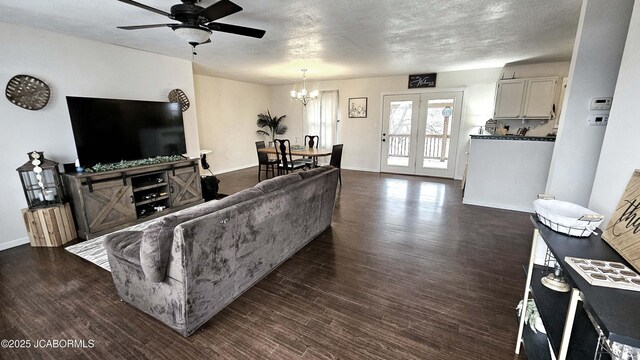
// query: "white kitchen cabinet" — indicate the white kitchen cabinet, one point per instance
point(509, 97)
point(563, 90)
point(539, 99)
point(531, 98)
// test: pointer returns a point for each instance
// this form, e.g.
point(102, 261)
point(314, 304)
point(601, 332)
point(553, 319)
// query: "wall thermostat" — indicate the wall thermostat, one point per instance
point(601, 103)
point(598, 120)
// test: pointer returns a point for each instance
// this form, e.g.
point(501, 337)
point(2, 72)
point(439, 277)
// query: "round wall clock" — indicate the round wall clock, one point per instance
point(178, 96)
point(27, 92)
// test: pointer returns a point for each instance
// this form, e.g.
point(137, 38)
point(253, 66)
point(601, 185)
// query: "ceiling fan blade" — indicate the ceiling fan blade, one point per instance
point(235, 29)
point(205, 42)
point(137, 27)
point(146, 7)
point(219, 10)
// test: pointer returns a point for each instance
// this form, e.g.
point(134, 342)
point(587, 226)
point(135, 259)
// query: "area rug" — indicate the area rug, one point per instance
point(92, 251)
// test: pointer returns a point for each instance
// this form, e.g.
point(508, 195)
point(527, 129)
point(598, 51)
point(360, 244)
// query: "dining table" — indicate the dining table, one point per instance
point(299, 151)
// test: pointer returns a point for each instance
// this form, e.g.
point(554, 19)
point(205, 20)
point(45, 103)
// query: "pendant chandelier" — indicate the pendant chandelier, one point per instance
point(303, 96)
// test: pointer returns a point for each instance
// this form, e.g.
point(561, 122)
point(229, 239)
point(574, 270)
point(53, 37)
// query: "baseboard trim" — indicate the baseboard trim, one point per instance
point(224, 171)
point(498, 206)
point(14, 243)
point(360, 169)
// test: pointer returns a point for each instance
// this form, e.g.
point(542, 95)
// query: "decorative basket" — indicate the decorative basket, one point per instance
point(567, 218)
point(178, 96)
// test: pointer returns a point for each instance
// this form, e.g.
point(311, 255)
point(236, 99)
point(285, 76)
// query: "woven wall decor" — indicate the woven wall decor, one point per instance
point(178, 96)
point(28, 92)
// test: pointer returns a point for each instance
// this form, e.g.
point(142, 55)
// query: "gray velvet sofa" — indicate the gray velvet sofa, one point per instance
point(185, 267)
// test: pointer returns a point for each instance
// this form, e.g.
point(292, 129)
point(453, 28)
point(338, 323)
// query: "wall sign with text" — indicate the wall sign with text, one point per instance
point(422, 80)
point(623, 230)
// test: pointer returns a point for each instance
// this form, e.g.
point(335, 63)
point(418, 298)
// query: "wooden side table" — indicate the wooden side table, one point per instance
point(51, 226)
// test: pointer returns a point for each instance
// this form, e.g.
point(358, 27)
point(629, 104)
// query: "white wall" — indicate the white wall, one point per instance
point(227, 114)
point(620, 149)
point(362, 136)
point(594, 69)
point(71, 66)
point(560, 68)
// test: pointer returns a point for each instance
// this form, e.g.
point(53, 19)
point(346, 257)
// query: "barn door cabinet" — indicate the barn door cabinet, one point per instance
point(575, 320)
point(111, 200)
point(531, 98)
point(184, 186)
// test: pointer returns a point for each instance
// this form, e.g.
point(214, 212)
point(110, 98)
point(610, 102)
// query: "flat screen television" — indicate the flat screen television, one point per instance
point(112, 130)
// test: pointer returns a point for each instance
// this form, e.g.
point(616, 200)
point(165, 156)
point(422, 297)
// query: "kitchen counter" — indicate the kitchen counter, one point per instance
point(507, 174)
point(514, 137)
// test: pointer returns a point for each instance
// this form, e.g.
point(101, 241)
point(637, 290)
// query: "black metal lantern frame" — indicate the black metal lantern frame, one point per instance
point(41, 181)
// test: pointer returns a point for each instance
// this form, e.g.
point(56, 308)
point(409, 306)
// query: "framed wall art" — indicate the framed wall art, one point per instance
point(358, 107)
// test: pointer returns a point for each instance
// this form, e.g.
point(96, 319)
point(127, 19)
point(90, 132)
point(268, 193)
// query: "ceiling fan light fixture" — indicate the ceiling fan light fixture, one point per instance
point(192, 34)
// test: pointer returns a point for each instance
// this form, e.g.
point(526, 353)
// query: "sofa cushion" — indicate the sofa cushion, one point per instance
point(315, 171)
point(277, 182)
point(215, 205)
point(155, 248)
point(244, 195)
point(124, 245)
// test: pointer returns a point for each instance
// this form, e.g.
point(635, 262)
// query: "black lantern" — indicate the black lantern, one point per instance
point(41, 181)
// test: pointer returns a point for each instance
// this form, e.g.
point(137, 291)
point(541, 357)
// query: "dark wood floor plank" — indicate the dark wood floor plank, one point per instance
point(405, 272)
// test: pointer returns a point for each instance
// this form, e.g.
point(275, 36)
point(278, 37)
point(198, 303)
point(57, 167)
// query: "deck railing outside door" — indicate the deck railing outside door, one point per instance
point(435, 146)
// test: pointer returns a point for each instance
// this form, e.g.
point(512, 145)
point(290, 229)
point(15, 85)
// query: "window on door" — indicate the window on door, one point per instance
point(437, 135)
point(400, 116)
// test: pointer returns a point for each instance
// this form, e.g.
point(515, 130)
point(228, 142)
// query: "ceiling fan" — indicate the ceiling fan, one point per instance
point(196, 22)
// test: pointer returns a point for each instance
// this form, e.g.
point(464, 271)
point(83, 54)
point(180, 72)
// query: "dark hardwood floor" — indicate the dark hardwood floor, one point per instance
point(405, 272)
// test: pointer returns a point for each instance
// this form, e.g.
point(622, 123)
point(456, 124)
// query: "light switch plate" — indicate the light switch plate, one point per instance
point(598, 119)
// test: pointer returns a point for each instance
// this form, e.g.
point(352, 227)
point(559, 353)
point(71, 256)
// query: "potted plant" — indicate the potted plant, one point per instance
point(273, 123)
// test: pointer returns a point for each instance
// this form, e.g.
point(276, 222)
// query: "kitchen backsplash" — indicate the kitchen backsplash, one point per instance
point(536, 127)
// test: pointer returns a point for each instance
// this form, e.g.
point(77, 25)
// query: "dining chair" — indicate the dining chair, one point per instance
point(284, 159)
point(336, 159)
point(263, 160)
point(311, 141)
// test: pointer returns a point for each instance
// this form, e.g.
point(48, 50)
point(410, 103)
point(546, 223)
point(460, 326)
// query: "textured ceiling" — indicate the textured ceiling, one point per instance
point(334, 39)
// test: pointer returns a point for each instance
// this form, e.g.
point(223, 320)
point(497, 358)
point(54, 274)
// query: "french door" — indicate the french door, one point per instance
point(420, 133)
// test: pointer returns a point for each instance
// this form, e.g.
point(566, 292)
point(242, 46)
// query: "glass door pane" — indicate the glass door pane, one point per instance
point(437, 133)
point(440, 116)
point(399, 137)
point(400, 128)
